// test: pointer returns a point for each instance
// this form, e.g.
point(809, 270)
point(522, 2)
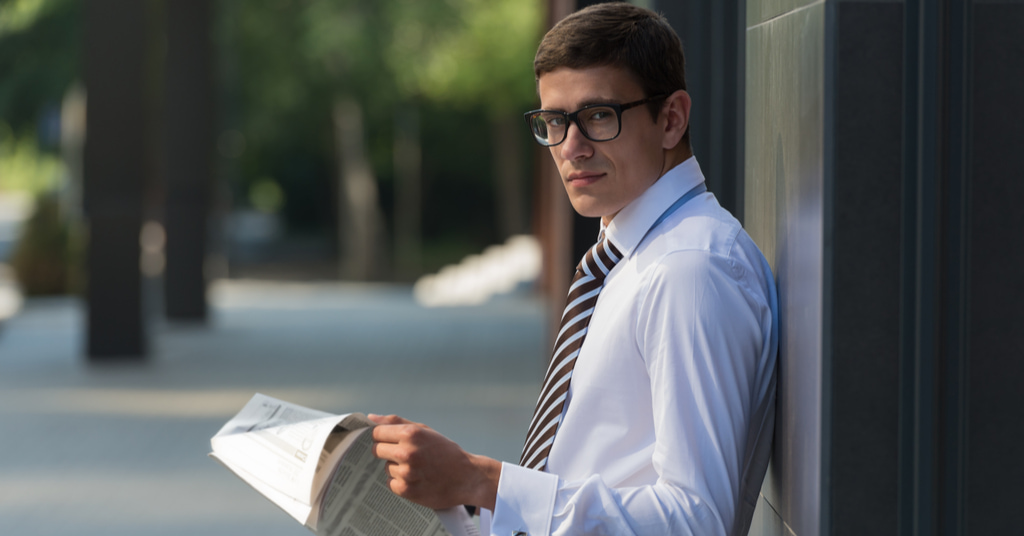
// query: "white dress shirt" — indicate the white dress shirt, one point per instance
point(670, 415)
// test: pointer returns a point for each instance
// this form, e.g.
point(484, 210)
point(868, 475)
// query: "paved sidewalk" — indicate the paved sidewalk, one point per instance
point(121, 449)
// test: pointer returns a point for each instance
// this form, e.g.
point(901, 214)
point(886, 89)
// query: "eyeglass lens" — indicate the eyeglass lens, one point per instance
point(599, 123)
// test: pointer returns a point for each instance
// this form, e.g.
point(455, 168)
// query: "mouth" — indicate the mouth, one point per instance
point(583, 178)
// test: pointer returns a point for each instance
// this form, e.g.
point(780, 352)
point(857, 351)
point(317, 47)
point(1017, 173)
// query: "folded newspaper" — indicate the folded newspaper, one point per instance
point(320, 469)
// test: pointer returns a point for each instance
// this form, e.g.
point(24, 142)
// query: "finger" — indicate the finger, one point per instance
point(389, 451)
point(386, 433)
point(395, 433)
point(393, 419)
point(399, 487)
point(399, 471)
point(387, 419)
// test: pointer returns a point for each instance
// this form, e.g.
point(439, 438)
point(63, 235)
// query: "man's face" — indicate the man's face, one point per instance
point(603, 177)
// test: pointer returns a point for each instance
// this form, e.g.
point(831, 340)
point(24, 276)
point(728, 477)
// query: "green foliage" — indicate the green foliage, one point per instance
point(291, 59)
point(278, 91)
point(461, 63)
point(16, 15)
point(265, 195)
point(23, 167)
point(39, 56)
point(466, 53)
point(282, 66)
point(484, 60)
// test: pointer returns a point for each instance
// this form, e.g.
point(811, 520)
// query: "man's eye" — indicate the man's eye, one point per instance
point(556, 121)
point(600, 115)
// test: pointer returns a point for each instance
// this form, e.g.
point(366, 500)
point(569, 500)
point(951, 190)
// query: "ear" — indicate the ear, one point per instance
point(676, 111)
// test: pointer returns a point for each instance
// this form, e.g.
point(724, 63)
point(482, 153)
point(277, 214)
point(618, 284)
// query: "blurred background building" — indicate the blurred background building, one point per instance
point(219, 162)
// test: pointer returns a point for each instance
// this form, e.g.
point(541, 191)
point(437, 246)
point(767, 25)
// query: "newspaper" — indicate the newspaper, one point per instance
point(320, 469)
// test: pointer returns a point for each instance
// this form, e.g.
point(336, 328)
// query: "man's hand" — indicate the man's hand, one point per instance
point(429, 469)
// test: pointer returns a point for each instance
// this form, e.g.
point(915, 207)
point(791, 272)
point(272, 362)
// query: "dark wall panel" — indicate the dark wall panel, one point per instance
point(863, 187)
point(996, 406)
point(712, 43)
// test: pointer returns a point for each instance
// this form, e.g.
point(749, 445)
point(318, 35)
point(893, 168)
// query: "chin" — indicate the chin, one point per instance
point(589, 210)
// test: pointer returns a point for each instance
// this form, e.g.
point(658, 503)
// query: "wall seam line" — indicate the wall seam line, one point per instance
point(786, 14)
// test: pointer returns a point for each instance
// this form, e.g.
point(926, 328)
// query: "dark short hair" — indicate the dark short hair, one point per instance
point(617, 34)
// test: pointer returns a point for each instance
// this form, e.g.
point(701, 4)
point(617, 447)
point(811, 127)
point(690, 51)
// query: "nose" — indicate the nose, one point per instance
point(576, 145)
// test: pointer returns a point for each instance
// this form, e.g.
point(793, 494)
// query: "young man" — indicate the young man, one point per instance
point(657, 411)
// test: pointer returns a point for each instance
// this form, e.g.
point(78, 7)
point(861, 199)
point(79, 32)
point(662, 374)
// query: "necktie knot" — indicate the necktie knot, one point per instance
point(599, 260)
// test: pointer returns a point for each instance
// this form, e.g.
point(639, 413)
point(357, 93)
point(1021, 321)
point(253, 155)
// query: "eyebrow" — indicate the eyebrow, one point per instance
point(584, 104)
point(591, 102)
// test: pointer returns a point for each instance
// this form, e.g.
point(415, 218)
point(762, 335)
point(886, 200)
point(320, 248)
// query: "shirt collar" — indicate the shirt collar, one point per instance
point(631, 224)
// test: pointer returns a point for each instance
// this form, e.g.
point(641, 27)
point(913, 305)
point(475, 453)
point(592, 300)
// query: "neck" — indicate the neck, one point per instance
point(675, 156)
point(670, 159)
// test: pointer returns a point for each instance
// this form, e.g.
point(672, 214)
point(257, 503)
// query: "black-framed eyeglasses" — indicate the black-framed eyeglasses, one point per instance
point(597, 122)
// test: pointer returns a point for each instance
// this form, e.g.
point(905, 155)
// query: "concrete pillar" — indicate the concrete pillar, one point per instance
point(114, 169)
point(784, 213)
point(189, 120)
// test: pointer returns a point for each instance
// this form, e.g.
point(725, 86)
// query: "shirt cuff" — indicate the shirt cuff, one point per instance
point(525, 502)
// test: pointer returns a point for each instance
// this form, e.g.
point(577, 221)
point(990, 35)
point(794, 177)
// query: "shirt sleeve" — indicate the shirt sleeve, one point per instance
point(700, 331)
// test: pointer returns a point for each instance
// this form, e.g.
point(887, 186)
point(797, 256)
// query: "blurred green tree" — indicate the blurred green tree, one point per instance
point(39, 62)
point(437, 86)
point(472, 54)
point(438, 82)
point(480, 60)
point(39, 57)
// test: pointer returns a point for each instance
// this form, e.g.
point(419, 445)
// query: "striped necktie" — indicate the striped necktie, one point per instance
point(583, 291)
